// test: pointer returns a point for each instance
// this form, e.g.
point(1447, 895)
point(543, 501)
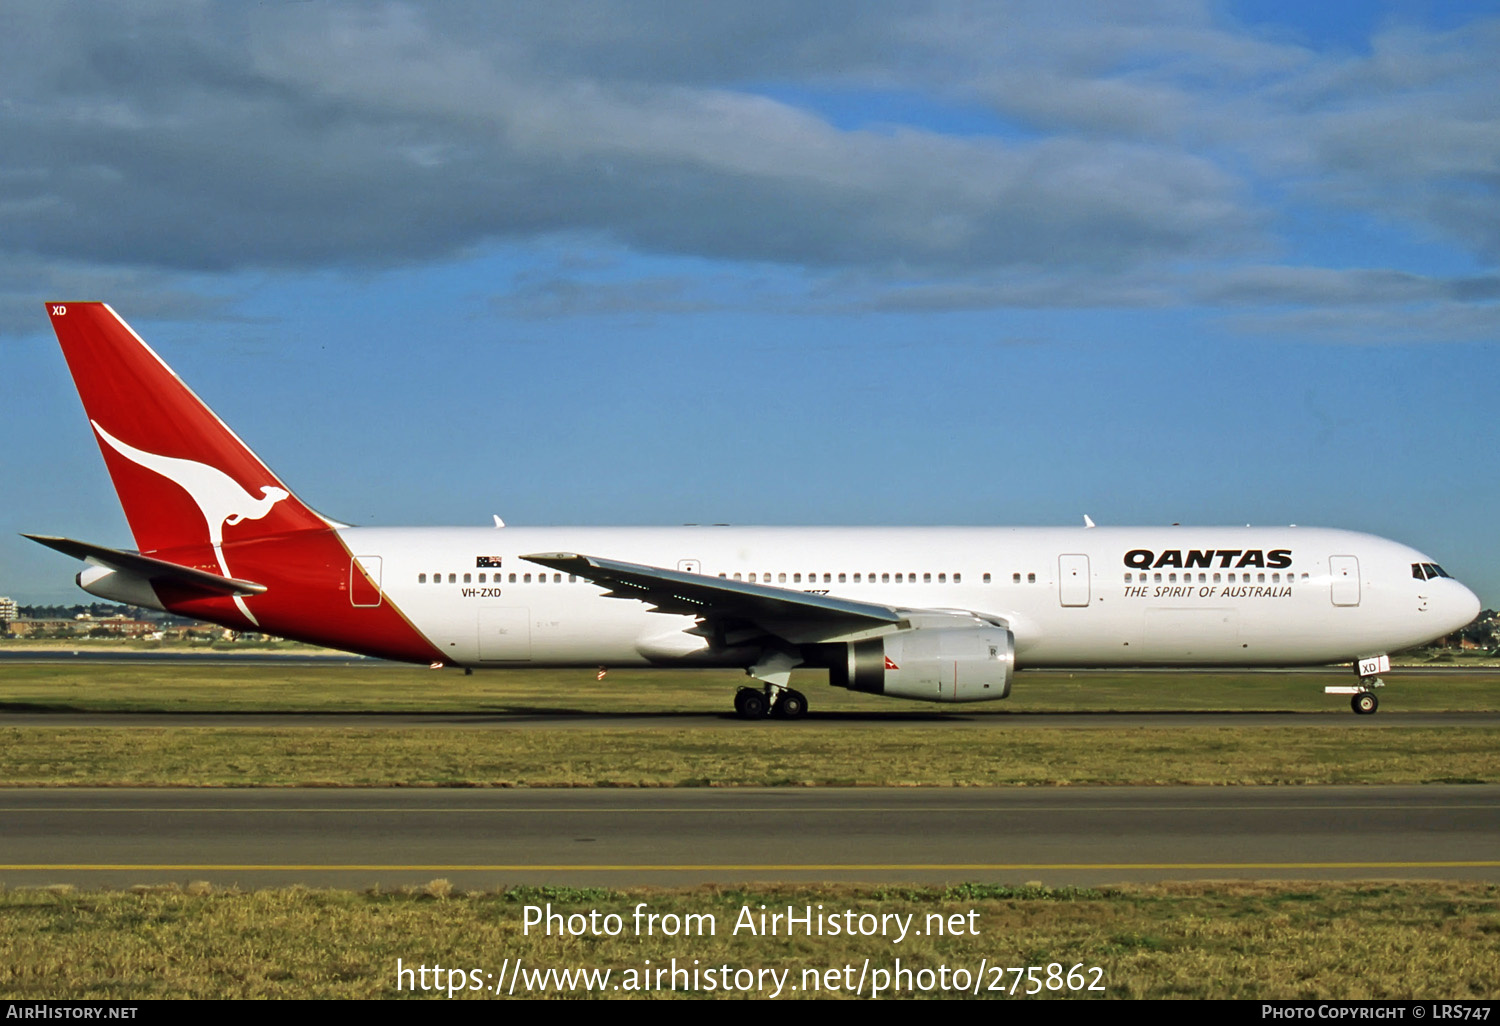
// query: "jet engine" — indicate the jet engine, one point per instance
point(967, 664)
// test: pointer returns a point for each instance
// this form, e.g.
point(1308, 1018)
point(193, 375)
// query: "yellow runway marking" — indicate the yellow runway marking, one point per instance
point(731, 867)
point(737, 809)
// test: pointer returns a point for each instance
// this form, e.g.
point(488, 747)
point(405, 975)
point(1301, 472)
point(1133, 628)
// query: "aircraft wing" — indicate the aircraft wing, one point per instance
point(797, 616)
point(154, 570)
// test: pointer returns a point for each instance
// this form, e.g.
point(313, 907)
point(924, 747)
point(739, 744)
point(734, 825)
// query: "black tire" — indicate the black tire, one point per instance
point(1365, 703)
point(750, 704)
point(792, 705)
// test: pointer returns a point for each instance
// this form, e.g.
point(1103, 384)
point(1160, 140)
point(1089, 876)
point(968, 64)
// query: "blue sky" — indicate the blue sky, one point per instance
point(775, 263)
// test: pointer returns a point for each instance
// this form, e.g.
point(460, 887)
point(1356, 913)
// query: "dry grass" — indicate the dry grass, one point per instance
point(768, 757)
point(1437, 940)
point(186, 686)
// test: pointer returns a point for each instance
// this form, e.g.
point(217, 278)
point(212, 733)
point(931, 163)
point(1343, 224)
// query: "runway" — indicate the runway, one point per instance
point(674, 837)
point(894, 719)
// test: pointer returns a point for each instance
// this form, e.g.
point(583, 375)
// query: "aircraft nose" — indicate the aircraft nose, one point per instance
point(1460, 606)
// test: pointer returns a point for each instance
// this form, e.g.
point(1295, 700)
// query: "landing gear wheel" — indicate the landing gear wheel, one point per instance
point(792, 705)
point(750, 703)
point(1365, 703)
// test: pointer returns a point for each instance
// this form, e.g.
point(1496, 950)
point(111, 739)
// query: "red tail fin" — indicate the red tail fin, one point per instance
point(186, 481)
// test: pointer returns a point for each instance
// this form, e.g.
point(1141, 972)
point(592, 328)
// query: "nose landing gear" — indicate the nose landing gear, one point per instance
point(1362, 697)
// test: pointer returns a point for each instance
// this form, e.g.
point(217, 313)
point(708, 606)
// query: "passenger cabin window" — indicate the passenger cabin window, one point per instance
point(453, 578)
point(958, 578)
point(421, 578)
point(986, 578)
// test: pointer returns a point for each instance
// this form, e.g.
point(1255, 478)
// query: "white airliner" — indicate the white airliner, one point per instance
point(937, 614)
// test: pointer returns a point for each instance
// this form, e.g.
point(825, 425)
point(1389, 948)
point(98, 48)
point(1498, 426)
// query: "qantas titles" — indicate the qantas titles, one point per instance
point(1145, 559)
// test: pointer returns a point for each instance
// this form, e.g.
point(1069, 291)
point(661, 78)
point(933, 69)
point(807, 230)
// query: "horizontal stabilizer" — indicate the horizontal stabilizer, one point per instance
point(158, 571)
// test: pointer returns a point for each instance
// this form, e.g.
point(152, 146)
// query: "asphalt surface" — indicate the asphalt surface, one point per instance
point(674, 837)
point(551, 720)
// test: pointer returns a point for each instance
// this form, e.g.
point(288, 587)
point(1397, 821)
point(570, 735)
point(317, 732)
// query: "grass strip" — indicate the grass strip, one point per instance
point(1266, 941)
point(41, 686)
point(770, 757)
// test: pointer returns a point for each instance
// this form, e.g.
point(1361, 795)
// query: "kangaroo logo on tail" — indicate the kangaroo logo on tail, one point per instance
point(219, 497)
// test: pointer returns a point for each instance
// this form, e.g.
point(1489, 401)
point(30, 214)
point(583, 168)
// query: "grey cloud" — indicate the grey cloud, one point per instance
point(1426, 323)
point(222, 137)
point(1320, 286)
point(550, 296)
point(357, 136)
point(26, 285)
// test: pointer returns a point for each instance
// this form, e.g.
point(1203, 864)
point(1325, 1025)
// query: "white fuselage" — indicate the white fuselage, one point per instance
point(1072, 597)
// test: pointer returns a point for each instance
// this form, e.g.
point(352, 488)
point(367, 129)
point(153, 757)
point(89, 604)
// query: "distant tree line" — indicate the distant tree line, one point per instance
point(1484, 631)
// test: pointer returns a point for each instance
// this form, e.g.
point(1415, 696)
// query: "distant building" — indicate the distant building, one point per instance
point(7, 613)
point(78, 628)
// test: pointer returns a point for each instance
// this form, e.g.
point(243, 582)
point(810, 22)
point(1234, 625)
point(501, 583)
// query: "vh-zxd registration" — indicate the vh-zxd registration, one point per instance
point(943, 614)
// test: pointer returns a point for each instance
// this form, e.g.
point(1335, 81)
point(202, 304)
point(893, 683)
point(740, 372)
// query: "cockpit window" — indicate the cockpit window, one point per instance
point(1427, 571)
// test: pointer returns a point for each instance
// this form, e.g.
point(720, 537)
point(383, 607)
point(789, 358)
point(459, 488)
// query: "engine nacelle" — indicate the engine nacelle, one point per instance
point(962, 664)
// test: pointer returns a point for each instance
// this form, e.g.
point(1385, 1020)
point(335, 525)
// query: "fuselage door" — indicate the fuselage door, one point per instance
point(364, 581)
point(1343, 571)
point(1073, 580)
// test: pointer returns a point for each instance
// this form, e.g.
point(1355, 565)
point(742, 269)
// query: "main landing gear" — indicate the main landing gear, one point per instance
point(784, 703)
